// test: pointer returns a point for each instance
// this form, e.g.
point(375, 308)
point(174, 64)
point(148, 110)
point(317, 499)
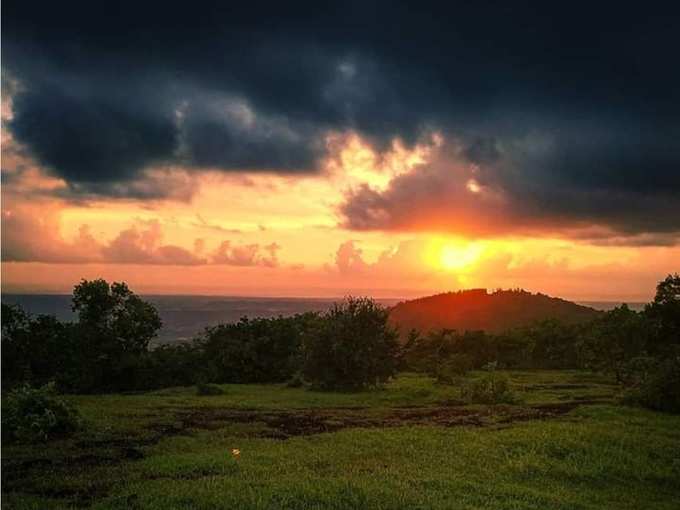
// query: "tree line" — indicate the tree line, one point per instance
point(107, 348)
point(352, 345)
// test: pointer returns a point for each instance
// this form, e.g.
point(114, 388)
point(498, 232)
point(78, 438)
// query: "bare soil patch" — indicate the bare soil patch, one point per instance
point(305, 422)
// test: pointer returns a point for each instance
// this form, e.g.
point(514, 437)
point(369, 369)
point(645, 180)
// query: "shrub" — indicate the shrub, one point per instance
point(431, 352)
point(351, 346)
point(635, 371)
point(260, 350)
point(297, 381)
point(179, 364)
point(453, 368)
point(491, 388)
point(205, 389)
point(36, 414)
point(491, 366)
point(658, 388)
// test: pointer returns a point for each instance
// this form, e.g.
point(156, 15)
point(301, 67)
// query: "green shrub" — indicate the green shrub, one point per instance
point(491, 388)
point(36, 414)
point(658, 388)
point(258, 350)
point(633, 372)
point(453, 369)
point(491, 366)
point(205, 389)
point(297, 381)
point(351, 346)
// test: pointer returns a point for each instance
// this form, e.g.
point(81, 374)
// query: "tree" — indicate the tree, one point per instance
point(351, 346)
point(478, 345)
point(113, 332)
point(117, 312)
point(254, 350)
point(555, 344)
point(15, 335)
point(15, 321)
point(34, 349)
point(664, 315)
point(515, 348)
point(614, 339)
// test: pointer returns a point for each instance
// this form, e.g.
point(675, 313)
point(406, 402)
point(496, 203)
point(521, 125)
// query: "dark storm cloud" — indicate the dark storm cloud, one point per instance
point(517, 194)
point(89, 135)
point(104, 93)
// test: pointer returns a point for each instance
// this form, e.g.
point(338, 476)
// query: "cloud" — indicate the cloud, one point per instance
point(23, 175)
point(348, 258)
point(27, 236)
point(246, 255)
point(204, 224)
point(99, 100)
point(402, 261)
point(599, 237)
point(31, 237)
point(144, 246)
point(151, 184)
point(227, 133)
point(508, 187)
point(93, 136)
point(272, 258)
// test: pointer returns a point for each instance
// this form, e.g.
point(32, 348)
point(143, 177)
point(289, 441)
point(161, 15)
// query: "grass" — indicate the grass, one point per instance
point(409, 445)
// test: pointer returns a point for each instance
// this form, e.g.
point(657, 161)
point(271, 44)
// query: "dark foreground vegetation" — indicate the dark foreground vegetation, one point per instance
point(351, 346)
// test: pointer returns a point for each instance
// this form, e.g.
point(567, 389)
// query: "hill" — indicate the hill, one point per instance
point(476, 309)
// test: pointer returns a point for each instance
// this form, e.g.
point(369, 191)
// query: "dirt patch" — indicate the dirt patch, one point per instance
point(305, 422)
point(561, 386)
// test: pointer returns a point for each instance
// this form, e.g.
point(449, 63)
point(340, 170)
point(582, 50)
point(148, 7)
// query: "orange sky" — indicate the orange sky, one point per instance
point(264, 234)
point(290, 151)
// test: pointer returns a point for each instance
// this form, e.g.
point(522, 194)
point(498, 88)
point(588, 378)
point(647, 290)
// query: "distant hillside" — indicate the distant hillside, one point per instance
point(478, 310)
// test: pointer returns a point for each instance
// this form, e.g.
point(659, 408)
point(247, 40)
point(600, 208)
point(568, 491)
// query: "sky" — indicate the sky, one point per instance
point(392, 149)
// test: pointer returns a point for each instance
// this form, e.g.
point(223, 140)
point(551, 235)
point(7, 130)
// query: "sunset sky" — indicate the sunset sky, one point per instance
point(370, 148)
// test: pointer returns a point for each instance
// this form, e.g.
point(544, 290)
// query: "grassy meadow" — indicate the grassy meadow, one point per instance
point(565, 444)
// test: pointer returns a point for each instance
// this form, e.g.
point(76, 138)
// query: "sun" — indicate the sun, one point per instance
point(458, 256)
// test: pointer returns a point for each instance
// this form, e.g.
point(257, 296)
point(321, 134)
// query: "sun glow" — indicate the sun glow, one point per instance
point(473, 186)
point(456, 256)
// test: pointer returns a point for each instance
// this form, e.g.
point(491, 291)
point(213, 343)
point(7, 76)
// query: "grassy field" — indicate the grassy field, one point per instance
point(410, 445)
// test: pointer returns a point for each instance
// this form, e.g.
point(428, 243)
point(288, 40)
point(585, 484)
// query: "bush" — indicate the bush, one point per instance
point(205, 389)
point(256, 350)
point(491, 366)
point(179, 364)
point(453, 368)
point(297, 381)
point(658, 388)
point(491, 388)
point(36, 414)
point(633, 372)
point(351, 346)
